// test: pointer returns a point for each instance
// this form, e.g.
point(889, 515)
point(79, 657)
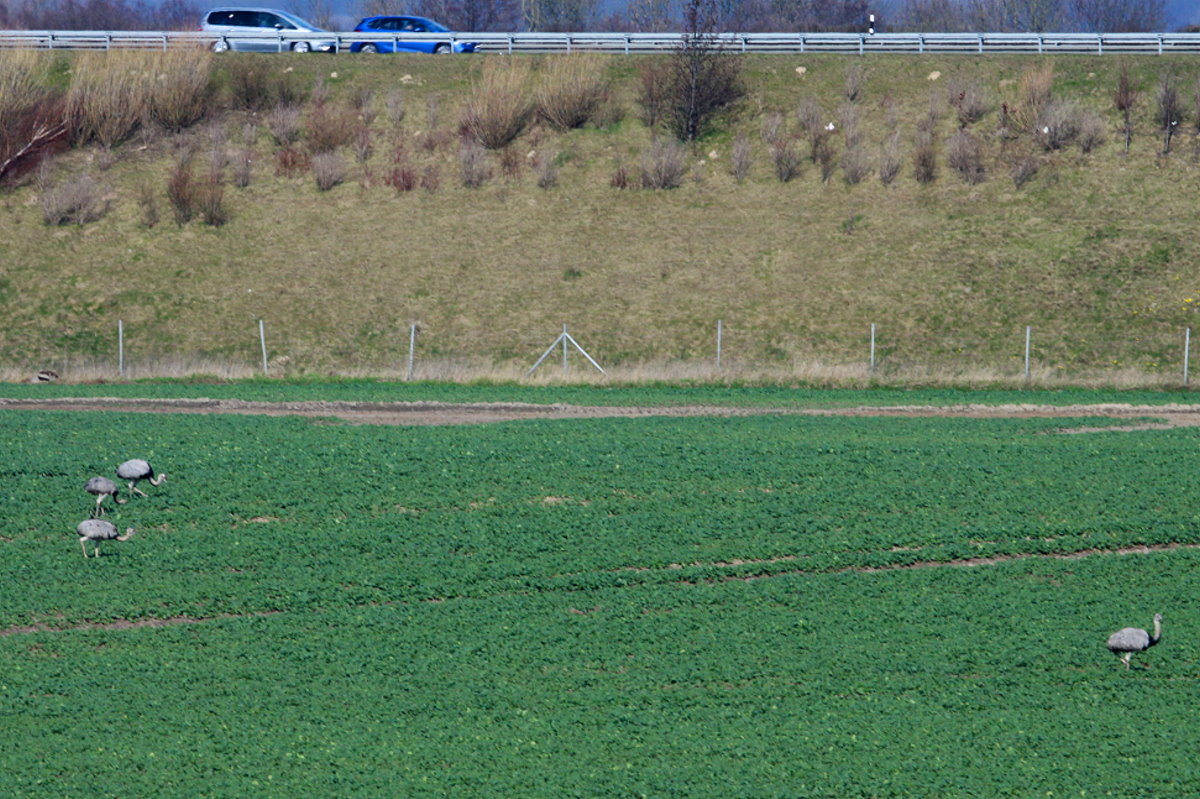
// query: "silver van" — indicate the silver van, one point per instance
point(268, 26)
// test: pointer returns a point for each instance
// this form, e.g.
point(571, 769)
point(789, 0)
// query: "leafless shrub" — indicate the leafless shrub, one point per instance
point(292, 162)
point(511, 162)
point(772, 127)
point(786, 159)
point(1024, 171)
point(78, 200)
point(243, 163)
point(546, 169)
point(855, 80)
point(363, 101)
point(1091, 132)
point(253, 84)
point(1034, 92)
point(178, 87)
point(610, 112)
point(105, 159)
point(434, 139)
point(283, 121)
point(663, 165)
point(740, 158)
point(964, 154)
point(1169, 111)
point(856, 165)
point(499, 107)
point(1058, 124)
point(320, 92)
point(969, 102)
point(181, 191)
point(1125, 98)
point(108, 97)
point(147, 201)
point(653, 80)
point(325, 129)
point(473, 165)
point(571, 89)
point(402, 178)
point(433, 110)
point(811, 120)
point(210, 200)
point(364, 146)
point(850, 122)
point(218, 155)
point(430, 179)
point(329, 170)
point(890, 158)
point(621, 177)
point(925, 157)
point(826, 157)
point(395, 107)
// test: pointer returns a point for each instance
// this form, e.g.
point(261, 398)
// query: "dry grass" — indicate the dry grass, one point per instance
point(571, 89)
point(500, 106)
point(109, 96)
point(1094, 252)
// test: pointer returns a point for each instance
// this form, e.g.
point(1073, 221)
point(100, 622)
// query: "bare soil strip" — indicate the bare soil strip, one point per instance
point(125, 624)
point(448, 413)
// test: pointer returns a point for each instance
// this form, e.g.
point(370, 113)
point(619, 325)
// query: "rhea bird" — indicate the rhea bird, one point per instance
point(101, 487)
point(97, 530)
point(137, 470)
point(1124, 643)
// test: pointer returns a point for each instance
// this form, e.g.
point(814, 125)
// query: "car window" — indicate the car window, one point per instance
point(376, 24)
point(244, 19)
point(387, 24)
point(271, 20)
point(417, 27)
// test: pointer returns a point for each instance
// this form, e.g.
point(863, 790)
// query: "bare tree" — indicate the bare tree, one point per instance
point(1019, 15)
point(1170, 110)
point(1125, 98)
point(704, 80)
point(1119, 16)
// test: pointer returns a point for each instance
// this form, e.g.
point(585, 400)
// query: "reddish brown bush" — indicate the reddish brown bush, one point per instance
point(291, 162)
point(402, 178)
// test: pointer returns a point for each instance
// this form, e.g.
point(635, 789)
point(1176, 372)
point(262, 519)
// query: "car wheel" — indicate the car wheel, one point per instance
point(301, 47)
point(369, 48)
point(441, 49)
point(220, 46)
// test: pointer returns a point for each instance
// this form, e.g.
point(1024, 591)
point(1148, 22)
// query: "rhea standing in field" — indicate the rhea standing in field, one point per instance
point(97, 530)
point(1124, 643)
point(137, 470)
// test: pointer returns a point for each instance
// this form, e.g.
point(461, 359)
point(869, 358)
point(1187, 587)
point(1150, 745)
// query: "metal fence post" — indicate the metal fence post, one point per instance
point(1028, 330)
point(719, 331)
point(120, 348)
point(262, 340)
point(1187, 352)
point(412, 345)
point(872, 370)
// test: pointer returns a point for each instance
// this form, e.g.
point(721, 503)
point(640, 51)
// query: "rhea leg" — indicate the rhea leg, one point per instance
point(133, 489)
point(83, 543)
point(1127, 658)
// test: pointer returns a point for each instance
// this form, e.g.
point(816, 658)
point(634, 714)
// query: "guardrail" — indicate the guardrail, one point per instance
point(627, 43)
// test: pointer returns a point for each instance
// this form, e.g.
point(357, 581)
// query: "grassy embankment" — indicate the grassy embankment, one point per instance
point(1095, 252)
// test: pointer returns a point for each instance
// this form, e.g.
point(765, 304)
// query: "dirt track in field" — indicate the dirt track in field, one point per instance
point(446, 413)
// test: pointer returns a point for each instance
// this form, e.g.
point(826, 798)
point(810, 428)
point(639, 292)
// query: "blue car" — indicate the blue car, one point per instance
point(428, 42)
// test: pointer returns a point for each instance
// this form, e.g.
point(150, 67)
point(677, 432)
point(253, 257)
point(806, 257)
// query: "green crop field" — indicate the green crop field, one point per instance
point(692, 607)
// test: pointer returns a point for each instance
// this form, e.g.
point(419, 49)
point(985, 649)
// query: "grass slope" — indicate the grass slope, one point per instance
point(1095, 253)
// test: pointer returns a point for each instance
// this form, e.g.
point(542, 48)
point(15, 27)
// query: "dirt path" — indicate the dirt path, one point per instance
point(446, 413)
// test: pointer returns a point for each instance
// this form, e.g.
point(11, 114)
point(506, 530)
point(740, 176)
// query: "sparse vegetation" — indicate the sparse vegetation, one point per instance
point(1141, 243)
point(500, 106)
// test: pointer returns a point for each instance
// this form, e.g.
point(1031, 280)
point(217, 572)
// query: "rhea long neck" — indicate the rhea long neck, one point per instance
point(1157, 632)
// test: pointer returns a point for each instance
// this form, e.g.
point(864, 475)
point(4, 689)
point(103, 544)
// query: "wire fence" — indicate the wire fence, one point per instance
point(568, 347)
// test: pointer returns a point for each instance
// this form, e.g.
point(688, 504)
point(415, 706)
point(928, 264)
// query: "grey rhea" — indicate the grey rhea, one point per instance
point(137, 470)
point(97, 530)
point(101, 487)
point(1124, 643)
